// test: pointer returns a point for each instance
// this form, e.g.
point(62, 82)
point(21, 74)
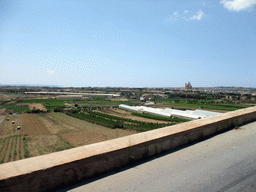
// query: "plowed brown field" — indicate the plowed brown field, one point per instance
point(32, 126)
point(88, 133)
point(55, 125)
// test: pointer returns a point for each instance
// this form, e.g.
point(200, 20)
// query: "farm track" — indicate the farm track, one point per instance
point(32, 126)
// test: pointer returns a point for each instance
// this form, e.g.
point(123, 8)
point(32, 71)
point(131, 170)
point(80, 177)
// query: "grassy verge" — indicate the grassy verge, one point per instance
point(146, 115)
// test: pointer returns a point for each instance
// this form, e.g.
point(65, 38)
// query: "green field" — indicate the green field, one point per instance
point(207, 104)
point(50, 104)
point(117, 122)
point(16, 109)
point(94, 102)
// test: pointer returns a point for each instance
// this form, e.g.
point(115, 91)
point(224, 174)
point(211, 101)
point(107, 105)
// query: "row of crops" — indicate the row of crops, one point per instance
point(117, 122)
point(146, 115)
point(11, 149)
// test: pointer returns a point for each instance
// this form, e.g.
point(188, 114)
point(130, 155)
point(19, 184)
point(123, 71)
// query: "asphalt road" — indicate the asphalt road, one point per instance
point(226, 162)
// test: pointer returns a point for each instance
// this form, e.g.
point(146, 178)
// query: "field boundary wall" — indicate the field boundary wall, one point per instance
point(49, 171)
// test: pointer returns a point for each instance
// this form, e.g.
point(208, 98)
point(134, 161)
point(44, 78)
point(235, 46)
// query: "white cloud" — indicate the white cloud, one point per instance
point(186, 11)
point(50, 72)
point(238, 5)
point(174, 16)
point(198, 15)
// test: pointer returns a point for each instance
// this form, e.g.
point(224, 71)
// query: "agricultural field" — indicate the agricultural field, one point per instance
point(138, 117)
point(79, 132)
point(11, 139)
point(114, 122)
point(101, 102)
point(35, 106)
point(12, 108)
point(49, 104)
point(45, 133)
point(195, 104)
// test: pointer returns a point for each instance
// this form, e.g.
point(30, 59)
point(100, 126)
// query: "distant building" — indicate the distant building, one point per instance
point(188, 85)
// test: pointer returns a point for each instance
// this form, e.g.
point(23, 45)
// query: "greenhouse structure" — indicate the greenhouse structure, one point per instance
point(167, 112)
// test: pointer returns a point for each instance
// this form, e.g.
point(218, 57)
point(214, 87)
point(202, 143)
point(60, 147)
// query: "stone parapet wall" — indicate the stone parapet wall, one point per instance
point(49, 171)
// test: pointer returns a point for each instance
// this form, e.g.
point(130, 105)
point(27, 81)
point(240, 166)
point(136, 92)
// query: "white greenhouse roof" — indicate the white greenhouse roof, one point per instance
point(167, 112)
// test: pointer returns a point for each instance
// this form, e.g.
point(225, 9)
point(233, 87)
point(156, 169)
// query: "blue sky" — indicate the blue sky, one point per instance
point(128, 43)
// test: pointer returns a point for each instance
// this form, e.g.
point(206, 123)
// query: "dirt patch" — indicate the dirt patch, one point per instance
point(2, 111)
point(32, 126)
point(54, 125)
point(4, 97)
point(44, 144)
point(8, 128)
point(39, 106)
point(95, 136)
point(121, 99)
point(77, 124)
